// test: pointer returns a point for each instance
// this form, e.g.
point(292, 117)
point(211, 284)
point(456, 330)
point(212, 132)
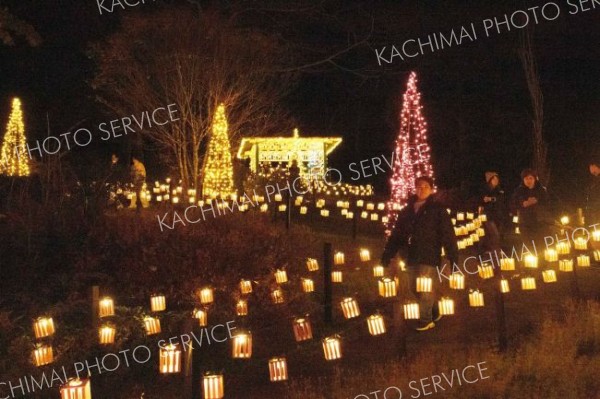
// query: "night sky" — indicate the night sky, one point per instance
point(474, 95)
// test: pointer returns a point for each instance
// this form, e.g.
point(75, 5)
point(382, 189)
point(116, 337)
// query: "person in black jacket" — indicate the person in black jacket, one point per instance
point(423, 227)
point(592, 203)
point(492, 202)
point(526, 202)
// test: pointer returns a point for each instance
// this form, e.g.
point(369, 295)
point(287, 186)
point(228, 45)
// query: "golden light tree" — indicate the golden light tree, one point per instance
point(217, 174)
point(12, 164)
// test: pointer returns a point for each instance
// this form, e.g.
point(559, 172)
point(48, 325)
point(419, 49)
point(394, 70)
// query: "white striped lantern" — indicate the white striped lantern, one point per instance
point(43, 355)
point(486, 271)
point(332, 348)
point(278, 197)
point(531, 261)
point(337, 277)
point(308, 285)
point(170, 359)
point(411, 311)
point(202, 316)
point(563, 248)
point(446, 306)
point(106, 334)
point(597, 255)
point(507, 264)
point(278, 369)
point(282, 207)
point(565, 265)
point(212, 385)
point(528, 284)
point(370, 206)
point(365, 255)
point(580, 244)
point(325, 213)
point(583, 261)
point(387, 287)
point(281, 276)
point(338, 258)
point(424, 284)
point(241, 307)
point(277, 296)
point(376, 324)
point(549, 276)
point(460, 216)
point(158, 303)
point(378, 271)
point(551, 255)
point(350, 308)
point(476, 299)
point(456, 281)
point(76, 389)
point(303, 210)
point(312, 265)
point(152, 325)
point(246, 287)
point(374, 217)
point(596, 235)
point(207, 296)
point(483, 217)
point(504, 286)
point(106, 307)
point(302, 329)
point(241, 345)
point(43, 327)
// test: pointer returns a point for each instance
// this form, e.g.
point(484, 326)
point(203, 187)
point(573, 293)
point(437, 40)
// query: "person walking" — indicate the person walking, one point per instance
point(526, 203)
point(138, 178)
point(492, 202)
point(422, 229)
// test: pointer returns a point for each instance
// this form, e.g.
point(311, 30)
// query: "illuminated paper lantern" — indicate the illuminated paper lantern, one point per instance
point(528, 283)
point(43, 355)
point(350, 308)
point(384, 219)
point(202, 316)
point(381, 206)
point(596, 235)
point(504, 286)
point(370, 206)
point(264, 208)
point(365, 255)
point(336, 276)
point(302, 329)
point(278, 369)
point(456, 281)
point(152, 325)
point(207, 296)
point(338, 258)
point(278, 197)
point(325, 213)
point(565, 265)
point(476, 299)
point(597, 255)
point(378, 271)
point(360, 203)
point(76, 389)
point(282, 207)
point(281, 276)
point(212, 385)
point(303, 210)
point(424, 284)
point(376, 324)
point(170, 359)
point(515, 219)
point(344, 212)
point(486, 271)
point(462, 244)
point(517, 230)
point(446, 306)
point(308, 285)
point(402, 265)
point(298, 201)
point(483, 217)
point(549, 276)
point(564, 220)
point(277, 296)
point(364, 214)
point(158, 303)
point(475, 237)
point(43, 327)
point(246, 287)
point(350, 215)
point(387, 288)
point(563, 248)
point(580, 244)
point(107, 335)
point(241, 308)
point(480, 232)
point(106, 307)
point(312, 265)
point(332, 348)
point(241, 345)
point(470, 216)
point(583, 261)
point(460, 216)
point(374, 217)
point(551, 255)
point(411, 311)
point(507, 264)
point(531, 261)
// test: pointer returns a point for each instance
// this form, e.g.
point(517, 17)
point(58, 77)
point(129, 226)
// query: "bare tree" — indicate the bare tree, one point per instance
point(540, 147)
point(11, 26)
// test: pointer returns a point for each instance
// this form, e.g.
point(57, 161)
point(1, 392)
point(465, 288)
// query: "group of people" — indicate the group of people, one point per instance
point(424, 227)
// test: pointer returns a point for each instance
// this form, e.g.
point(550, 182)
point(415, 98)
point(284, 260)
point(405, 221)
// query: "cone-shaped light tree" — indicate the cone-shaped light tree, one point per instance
point(412, 152)
point(217, 173)
point(12, 164)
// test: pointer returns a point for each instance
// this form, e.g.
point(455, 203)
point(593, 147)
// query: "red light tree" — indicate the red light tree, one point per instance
point(412, 153)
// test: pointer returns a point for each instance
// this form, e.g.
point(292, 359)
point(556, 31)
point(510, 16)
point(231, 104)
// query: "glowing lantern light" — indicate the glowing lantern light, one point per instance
point(387, 288)
point(504, 287)
point(549, 276)
point(264, 208)
point(564, 220)
point(411, 311)
point(364, 214)
point(597, 255)
point(507, 264)
point(551, 255)
point(456, 281)
point(277, 296)
point(402, 265)
point(43, 327)
point(446, 306)
point(302, 329)
point(483, 217)
point(378, 271)
point(43, 355)
point(281, 276)
point(332, 348)
point(480, 232)
point(515, 219)
point(486, 271)
point(360, 203)
point(365, 255)
point(242, 345)
point(106, 307)
point(565, 265)
point(278, 197)
point(107, 335)
point(596, 235)
point(213, 386)
point(312, 265)
point(246, 286)
point(583, 261)
point(338, 258)
point(350, 308)
point(202, 316)
point(303, 210)
point(376, 324)
point(278, 369)
point(336, 276)
point(580, 244)
point(563, 248)
point(424, 284)
point(282, 207)
point(370, 206)
point(325, 213)
point(241, 308)
point(460, 216)
point(76, 389)
point(476, 299)
point(158, 303)
point(528, 283)
point(531, 261)
point(470, 216)
point(170, 359)
point(152, 325)
point(374, 217)
point(308, 285)
point(207, 296)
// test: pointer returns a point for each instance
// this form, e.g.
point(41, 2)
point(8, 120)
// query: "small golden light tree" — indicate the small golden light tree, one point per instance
point(11, 162)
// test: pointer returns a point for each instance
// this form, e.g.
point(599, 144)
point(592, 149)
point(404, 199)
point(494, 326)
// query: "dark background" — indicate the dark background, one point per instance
point(475, 95)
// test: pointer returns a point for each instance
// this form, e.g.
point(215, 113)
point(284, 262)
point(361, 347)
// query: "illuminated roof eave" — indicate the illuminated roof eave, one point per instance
point(247, 143)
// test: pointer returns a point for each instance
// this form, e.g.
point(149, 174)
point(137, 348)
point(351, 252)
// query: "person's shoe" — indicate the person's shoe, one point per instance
point(436, 314)
point(426, 327)
point(438, 318)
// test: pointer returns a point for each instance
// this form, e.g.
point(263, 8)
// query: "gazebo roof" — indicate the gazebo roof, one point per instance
point(292, 143)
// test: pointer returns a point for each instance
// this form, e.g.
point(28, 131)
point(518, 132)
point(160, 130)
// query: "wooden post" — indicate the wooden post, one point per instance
point(95, 294)
point(188, 365)
point(328, 288)
point(500, 316)
point(355, 223)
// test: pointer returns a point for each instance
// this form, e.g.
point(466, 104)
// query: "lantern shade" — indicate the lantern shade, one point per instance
point(486, 271)
point(332, 348)
point(549, 276)
point(551, 255)
point(580, 244)
point(411, 311)
point(170, 359)
point(528, 283)
point(107, 334)
point(507, 264)
point(338, 258)
point(504, 286)
point(583, 261)
point(376, 324)
point(277, 296)
point(202, 316)
point(76, 389)
point(312, 265)
point(424, 284)
point(213, 386)
point(241, 345)
point(278, 369)
point(350, 308)
point(43, 355)
point(207, 296)
point(563, 248)
point(378, 271)
point(476, 299)
point(365, 255)
point(152, 325)
point(337, 277)
point(281, 277)
point(246, 287)
point(597, 255)
point(596, 235)
point(241, 307)
point(446, 306)
point(106, 307)
point(302, 329)
point(158, 303)
point(456, 281)
point(531, 261)
point(43, 327)
point(387, 288)
point(308, 285)
point(565, 265)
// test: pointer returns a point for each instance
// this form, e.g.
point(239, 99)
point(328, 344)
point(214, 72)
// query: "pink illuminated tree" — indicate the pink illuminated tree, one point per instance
point(412, 153)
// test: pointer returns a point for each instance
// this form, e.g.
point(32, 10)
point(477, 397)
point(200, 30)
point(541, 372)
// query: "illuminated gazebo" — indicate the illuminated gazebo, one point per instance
point(310, 152)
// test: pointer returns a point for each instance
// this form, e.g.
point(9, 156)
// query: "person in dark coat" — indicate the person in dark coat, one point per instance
point(592, 198)
point(492, 202)
point(526, 202)
point(422, 229)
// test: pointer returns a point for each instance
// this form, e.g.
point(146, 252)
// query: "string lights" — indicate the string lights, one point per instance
point(12, 164)
point(218, 166)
